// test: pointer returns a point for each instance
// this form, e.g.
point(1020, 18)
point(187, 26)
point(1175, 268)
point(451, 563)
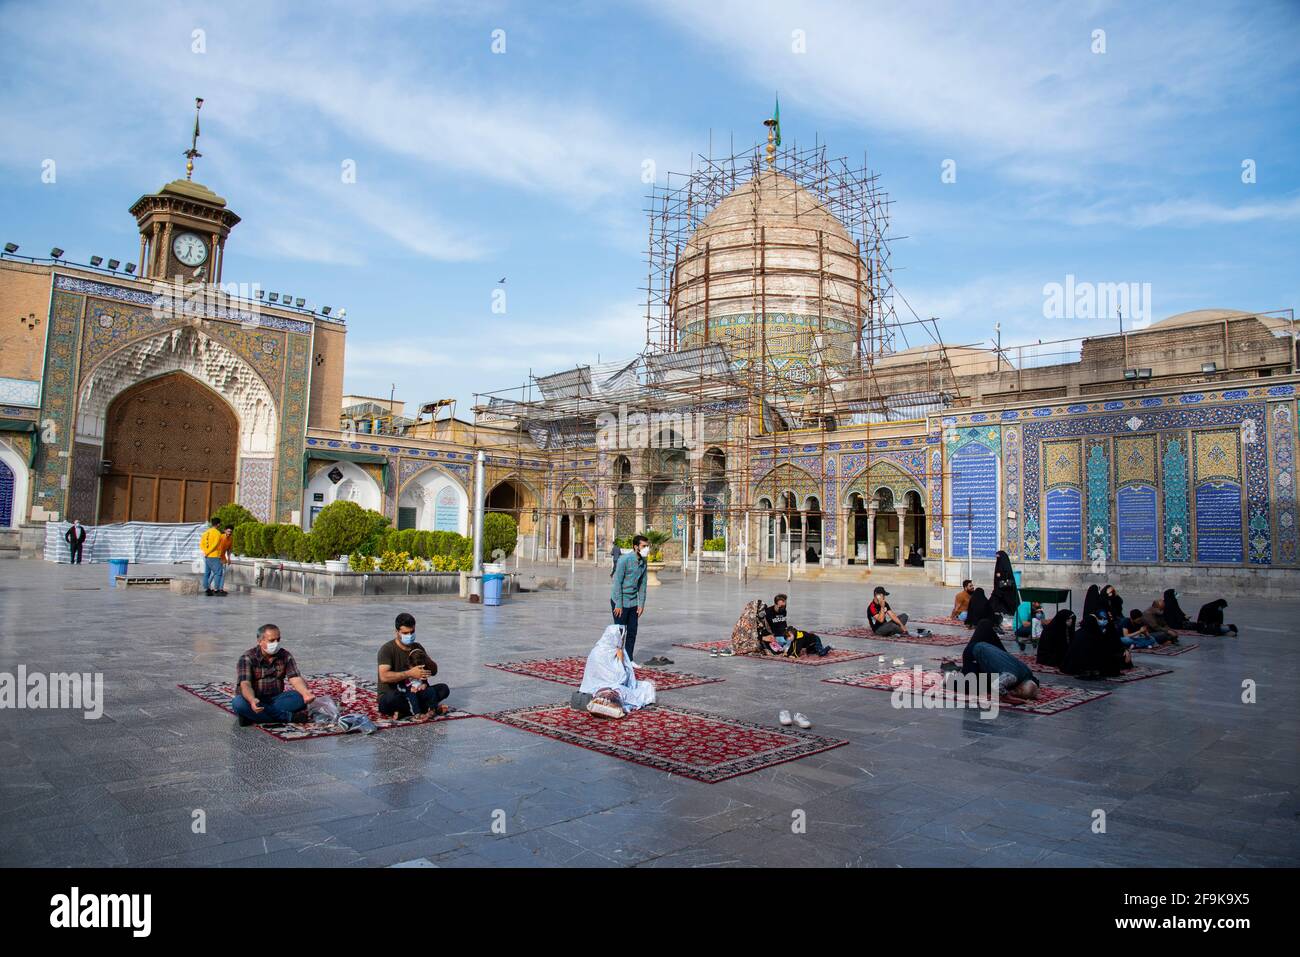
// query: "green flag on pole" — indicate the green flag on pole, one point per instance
point(776, 115)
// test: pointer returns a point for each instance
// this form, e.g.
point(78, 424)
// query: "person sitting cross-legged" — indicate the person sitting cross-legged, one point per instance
point(784, 635)
point(1133, 632)
point(962, 602)
point(404, 670)
point(884, 620)
point(261, 676)
point(1157, 627)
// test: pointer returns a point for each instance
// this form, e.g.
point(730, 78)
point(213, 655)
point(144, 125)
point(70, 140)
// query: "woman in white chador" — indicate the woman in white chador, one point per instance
point(608, 670)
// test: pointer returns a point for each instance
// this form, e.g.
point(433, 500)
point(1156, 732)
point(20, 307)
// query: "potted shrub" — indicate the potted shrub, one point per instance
point(655, 563)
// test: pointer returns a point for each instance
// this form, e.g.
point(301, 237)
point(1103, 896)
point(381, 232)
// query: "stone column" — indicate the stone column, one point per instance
point(871, 535)
point(639, 491)
point(803, 536)
point(699, 517)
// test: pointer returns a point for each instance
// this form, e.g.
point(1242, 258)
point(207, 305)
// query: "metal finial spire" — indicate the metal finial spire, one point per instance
point(773, 134)
point(193, 153)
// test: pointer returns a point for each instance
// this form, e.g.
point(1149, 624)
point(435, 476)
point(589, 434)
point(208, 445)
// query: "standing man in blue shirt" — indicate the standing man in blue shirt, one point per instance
point(627, 594)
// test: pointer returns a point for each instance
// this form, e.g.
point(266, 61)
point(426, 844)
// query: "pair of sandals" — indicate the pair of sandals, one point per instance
point(786, 720)
point(721, 652)
point(658, 661)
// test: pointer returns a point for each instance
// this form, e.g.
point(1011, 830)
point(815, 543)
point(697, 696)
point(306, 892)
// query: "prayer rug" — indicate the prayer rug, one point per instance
point(1052, 699)
point(1168, 650)
point(933, 638)
point(352, 694)
point(937, 620)
point(1136, 673)
point(568, 671)
point(833, 657)
point(694, 744)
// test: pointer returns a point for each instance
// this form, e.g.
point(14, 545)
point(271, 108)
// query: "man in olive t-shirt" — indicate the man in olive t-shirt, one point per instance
point(404, 688)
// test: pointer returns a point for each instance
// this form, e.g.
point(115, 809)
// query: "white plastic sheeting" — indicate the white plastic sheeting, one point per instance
point(155, 542)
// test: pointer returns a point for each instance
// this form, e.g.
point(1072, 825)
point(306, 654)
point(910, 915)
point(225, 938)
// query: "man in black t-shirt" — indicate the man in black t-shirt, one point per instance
point(784, 634)
point(884, 621)
point(404, 687)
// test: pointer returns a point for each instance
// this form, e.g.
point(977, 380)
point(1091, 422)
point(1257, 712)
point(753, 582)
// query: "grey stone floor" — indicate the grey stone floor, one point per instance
point(1186, 774)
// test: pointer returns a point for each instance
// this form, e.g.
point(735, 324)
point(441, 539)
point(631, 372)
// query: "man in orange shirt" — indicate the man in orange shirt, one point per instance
point(227, 543)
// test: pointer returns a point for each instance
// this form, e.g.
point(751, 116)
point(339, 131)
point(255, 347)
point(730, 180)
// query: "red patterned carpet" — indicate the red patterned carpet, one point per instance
point(568, 671)
point(946, 639)
point(354, 696)
point(693, 744)
point(1136, 673)
point(835, 656)
point(1052, 699)
point(937, 620)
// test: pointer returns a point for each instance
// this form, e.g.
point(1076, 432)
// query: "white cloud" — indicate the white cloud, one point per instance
point(1189, 213)
point(283, 89)
point(990, 83)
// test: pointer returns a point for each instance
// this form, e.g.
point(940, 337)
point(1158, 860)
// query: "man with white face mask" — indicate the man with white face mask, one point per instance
point(261, 676)
point(627, 594)
point(404, 672)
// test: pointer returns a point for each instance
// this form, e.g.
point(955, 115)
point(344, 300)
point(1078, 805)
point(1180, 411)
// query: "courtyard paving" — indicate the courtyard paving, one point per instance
point(1187, 774)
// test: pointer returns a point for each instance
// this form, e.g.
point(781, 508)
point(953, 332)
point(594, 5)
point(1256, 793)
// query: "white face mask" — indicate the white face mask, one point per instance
point(645, 551)
point(272, 647)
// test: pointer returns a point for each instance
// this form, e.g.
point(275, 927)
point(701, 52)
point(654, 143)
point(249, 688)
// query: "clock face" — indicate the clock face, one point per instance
point(189, 249)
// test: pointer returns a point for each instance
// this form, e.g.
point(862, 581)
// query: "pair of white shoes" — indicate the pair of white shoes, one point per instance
point(800, 720)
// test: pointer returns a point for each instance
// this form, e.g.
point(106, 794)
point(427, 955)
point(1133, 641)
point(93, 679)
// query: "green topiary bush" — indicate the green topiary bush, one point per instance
point(341, 528)
point(239, 539)
point(499, 532)
point(289, 542)
point(233, 514)
point(264, 539)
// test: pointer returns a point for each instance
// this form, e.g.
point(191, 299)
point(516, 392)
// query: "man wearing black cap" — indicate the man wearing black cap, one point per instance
point(883, 620)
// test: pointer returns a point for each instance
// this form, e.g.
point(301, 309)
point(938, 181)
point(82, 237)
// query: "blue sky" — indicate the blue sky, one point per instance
point(1122, 166)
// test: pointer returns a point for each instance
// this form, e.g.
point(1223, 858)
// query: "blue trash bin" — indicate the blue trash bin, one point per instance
point(116, 566)
point(492, 589)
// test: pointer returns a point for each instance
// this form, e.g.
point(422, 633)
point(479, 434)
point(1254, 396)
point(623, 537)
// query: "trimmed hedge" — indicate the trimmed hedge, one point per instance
point(234, 515)
point(344, 528)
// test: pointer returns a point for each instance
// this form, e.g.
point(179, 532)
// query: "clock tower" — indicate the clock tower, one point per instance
point(183, 226)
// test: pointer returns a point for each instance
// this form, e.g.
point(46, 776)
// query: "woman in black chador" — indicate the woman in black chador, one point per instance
point(1095, 651)
point(1057, 635)
point(1210, 619)
point(1094, 604)
point(1114, 604)
point(1174, 613)
point(979, 609)
point(1005, 597)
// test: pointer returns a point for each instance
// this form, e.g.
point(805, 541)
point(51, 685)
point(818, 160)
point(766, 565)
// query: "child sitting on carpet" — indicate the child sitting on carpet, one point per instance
point(413, 686)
